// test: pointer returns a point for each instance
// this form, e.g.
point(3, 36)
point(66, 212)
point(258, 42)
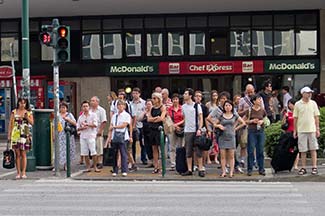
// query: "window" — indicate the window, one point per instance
point(306, 42)
point(175, 44)
point(284, 42)
point(133, 23)
point(197, 43)
point(6, 40)
point(197, 21)
point(240, 43)
point(154, 22)
point(9, 35)
point(91, 47)
point(112, 46)
point(175, 22)
point(132, 44)
point(262, 42)
point(154, 44)
point(218, 42)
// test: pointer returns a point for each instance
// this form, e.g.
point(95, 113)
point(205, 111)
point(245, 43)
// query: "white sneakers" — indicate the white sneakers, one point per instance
point(123, 174)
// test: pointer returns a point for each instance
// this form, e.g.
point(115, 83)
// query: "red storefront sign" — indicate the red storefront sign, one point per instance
point(5, 72)
point(222, 67)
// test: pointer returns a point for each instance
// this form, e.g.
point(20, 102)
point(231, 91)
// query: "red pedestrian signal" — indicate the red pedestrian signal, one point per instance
point(46, 35)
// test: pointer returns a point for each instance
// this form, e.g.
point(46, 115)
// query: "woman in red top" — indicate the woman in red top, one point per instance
point(288, 116)
point(176, 140)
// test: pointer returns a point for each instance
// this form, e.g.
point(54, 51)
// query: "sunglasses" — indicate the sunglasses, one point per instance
point(154, 98)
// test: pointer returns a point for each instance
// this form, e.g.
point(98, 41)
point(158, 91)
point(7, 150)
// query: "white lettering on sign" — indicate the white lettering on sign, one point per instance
point(132, 69)
point(174, 68)
point(287, 66)
point(248, 67)
point(210, 67)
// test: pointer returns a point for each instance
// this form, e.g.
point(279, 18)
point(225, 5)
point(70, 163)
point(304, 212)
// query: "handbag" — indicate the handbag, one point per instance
point(203, 143)
point(73, 129)
point(266, 121)
point(285, 125)
point(179, 132)
point(118, 136)
point(8, 161)
point(168, 125)
point(108, 156)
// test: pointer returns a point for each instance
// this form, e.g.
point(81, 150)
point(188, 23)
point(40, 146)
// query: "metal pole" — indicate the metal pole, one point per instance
point(162, 151)
point(12, 54)
point(68, 136)
point(25, 49)
point(31, 160)
point(55, 24)
point(56, 118)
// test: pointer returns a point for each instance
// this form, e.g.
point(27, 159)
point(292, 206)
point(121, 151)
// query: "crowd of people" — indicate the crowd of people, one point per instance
point(230, 124)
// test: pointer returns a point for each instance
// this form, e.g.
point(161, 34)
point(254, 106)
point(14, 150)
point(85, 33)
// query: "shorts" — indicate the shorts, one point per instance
point(87, 145)
point(99, 145)
point(307, 142)
point(189, 145)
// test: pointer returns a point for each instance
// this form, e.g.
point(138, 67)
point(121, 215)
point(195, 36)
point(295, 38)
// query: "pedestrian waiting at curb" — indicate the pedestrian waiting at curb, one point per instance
point(306, 121)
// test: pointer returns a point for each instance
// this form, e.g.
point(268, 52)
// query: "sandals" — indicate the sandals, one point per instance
point(314, 171)
point(223, 175)
point(303, 171)
point(18, 176)
point(155, 171)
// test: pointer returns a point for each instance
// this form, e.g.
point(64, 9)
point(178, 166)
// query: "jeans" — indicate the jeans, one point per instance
point(256, 139)
point(139, 135)
point(147, 145)
point(124, 157)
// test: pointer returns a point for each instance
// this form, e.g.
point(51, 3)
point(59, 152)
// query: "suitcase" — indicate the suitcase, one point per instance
point(181, 164)
point(108, 156)
point(285, 153)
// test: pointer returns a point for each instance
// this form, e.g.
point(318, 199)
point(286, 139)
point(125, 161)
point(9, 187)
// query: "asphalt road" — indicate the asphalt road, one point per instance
point(71, 197)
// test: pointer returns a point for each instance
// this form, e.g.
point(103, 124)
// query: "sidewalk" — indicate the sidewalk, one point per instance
point(144, 174)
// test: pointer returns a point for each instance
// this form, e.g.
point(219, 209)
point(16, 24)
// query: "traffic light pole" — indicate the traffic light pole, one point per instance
point(55, 24)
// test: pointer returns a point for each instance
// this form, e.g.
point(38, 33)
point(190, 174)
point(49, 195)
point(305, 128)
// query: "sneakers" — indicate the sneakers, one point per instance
point(114, 174)
point(249, 173)
point(242, 163)
point(201, 173)
point(195, 168)
point(100, 166)
point(262, 172)
point(187, 173)
point(124, 174)
point(239, 170)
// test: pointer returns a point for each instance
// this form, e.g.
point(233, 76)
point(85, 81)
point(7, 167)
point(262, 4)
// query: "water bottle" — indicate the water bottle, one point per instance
point(203, 130)
point(258, 127)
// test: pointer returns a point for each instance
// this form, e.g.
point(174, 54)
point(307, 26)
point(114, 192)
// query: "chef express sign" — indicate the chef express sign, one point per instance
point(223, 67)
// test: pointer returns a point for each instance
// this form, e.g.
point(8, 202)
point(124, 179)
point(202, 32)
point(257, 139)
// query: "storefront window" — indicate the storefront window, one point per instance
point(240, 43)
point(91, 47)
point(262, 43)
point(175, 44)
point(283, 42)
point(154, 44)
point(132, 44)
point(306, 42)
point(112, 46)
point(304, 80)
point(197, 43)
point(218, 42)
point(6, 40)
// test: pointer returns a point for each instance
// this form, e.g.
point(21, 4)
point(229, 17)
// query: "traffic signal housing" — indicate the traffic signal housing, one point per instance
point(46, 35)
point(62, 45)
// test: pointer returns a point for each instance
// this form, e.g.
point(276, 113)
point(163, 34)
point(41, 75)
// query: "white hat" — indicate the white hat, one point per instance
point(306, 89)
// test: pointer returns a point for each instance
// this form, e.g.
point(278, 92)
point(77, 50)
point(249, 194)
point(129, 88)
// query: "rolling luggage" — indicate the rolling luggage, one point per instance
point(285, 153)
point(181, 164)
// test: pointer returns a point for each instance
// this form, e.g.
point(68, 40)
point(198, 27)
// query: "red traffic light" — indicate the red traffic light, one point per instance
point(45, 38)
point(62, 32)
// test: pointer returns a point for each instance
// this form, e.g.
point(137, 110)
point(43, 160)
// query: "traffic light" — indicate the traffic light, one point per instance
point(46, 35)
point(62, 45)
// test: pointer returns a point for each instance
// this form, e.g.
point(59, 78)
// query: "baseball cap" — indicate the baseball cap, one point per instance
point(306, 89)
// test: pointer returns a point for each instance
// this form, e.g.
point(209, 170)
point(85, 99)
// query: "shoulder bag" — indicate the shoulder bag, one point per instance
point(8, 161)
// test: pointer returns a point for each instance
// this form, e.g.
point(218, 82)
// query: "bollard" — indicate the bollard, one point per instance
point(67, 130)
point(162, 151)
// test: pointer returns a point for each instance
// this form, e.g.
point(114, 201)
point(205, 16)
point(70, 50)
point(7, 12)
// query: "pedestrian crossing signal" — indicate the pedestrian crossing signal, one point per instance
point(62, 48)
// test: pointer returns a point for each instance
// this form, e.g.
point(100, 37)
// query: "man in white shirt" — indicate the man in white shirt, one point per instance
point(286, 98)
point(191, 130)
point(87, 124)
point(102, 119)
